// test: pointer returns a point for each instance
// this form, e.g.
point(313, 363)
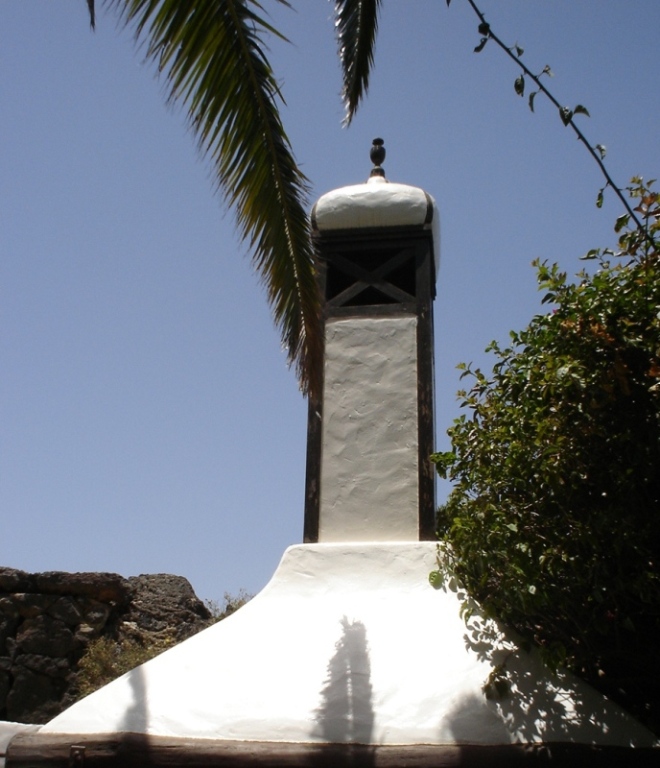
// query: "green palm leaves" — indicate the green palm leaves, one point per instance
point(212, 54)
point(356, 22)
point(92, 13)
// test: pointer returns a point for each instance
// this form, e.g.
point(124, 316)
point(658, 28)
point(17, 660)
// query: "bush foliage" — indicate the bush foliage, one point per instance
point(106, 659)
point(230, 604)
point(553, 523)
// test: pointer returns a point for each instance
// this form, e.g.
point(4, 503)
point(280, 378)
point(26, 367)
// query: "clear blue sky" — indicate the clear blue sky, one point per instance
point(148, 419)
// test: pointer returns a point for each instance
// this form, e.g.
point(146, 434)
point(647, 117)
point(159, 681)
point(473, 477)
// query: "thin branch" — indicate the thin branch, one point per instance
point(566, 116)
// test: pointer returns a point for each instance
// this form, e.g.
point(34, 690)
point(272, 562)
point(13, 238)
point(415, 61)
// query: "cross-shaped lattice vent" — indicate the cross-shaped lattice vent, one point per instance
point(371, 277)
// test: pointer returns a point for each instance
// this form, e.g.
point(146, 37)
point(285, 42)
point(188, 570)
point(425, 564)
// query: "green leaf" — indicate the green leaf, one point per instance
point(621, 222)
point(436, 579)
point(581, 110)
point(519, 85)
point(530, 101)
point(481, 45)
point(566, 115)
point(443, 457)
point(599, 199)
point(519, 51)
point(443, 462)
point(484, 28)
point(628, 624)
point(496, 686)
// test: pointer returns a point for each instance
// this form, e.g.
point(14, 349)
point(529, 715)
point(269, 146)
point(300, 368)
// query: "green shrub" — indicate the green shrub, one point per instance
point(106, 659)
point(553, 523)
point(230, 604)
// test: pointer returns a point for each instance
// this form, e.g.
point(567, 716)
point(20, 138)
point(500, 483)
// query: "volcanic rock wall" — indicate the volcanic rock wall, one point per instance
point(47, 620)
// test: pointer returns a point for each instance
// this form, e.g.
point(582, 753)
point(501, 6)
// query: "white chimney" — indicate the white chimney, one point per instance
point(370, 434)
point(349, 658)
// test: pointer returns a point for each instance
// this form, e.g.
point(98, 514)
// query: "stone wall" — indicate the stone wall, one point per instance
point(47, 620)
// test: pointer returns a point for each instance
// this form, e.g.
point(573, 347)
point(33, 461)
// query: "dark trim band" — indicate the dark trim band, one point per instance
point(132, 750)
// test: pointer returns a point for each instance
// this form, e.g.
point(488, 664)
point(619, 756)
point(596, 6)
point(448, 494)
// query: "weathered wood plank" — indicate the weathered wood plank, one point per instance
point(133, 750)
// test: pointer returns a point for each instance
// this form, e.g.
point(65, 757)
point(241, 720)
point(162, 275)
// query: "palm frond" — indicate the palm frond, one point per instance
point(92, 13)
point(213, 56)
point(356, 22)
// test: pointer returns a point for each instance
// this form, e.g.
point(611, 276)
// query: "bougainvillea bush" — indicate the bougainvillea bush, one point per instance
point(553, 523)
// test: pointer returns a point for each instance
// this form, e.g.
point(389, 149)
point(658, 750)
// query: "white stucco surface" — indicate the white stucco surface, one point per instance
point(377, 203)
point(369, 467)
point(349, 643)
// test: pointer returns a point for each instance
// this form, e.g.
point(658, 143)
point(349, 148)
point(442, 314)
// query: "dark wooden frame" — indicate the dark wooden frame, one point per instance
point(336, 248)
point(133, 750)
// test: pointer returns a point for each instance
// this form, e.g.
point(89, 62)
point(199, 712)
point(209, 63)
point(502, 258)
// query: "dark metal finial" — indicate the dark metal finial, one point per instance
point(377, 155)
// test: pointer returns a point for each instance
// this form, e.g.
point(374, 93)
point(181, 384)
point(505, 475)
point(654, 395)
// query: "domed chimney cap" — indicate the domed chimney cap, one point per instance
point(377, 203)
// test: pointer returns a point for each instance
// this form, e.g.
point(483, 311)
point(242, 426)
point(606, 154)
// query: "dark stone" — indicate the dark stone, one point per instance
point(66, 609)
point(47, 711)
point(8, 608)
point(29, 693)
point(96, 615)
point(164, 602)
point(5, 685)
point(7, 632)
point(13, 580)
point(48, 619)
point(10, 647)
point(44, 665)
point(44, 636)
point(84, 634)
point(106, 587)
point(30, 605)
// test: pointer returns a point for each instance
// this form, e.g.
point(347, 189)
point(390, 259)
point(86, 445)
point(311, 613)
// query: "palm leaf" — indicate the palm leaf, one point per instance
point(356, 22)
point(92, 13)
point(212, 54)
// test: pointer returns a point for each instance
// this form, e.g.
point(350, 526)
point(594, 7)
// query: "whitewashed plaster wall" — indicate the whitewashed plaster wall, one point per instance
point(349, 643)
point(369, 475)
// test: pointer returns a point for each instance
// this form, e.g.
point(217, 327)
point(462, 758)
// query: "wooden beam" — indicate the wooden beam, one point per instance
point(131, 750)
point(425, 393)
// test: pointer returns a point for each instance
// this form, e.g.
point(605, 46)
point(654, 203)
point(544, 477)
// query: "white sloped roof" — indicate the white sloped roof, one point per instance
point(349, 643)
